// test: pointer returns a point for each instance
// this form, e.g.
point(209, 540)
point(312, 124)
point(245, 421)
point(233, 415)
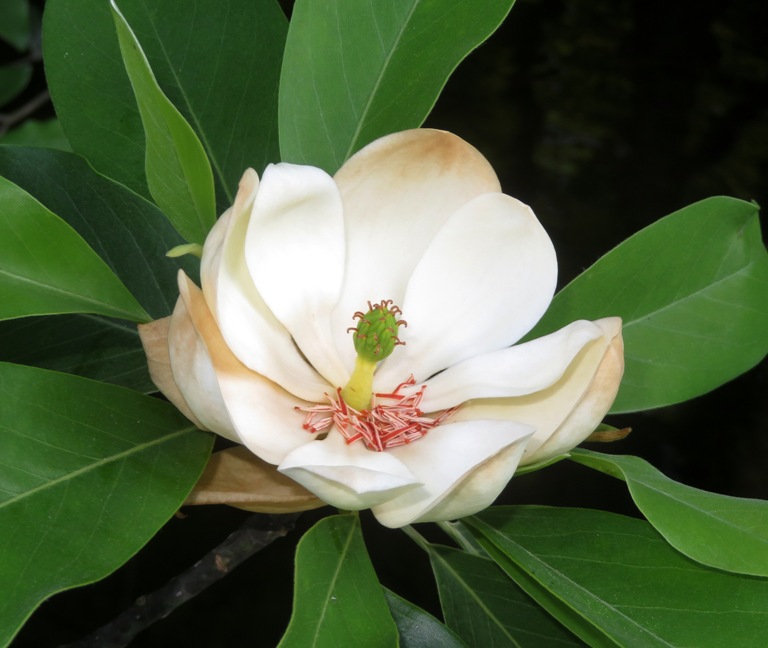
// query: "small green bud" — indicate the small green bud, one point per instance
point(375, 336)
point(187, 248)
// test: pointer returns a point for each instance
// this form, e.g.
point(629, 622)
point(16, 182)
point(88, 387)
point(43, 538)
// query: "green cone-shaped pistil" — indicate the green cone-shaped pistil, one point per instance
point(375, 337)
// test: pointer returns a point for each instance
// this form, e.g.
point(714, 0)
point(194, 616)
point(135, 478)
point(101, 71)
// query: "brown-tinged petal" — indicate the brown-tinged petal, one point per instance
point(154, 338)
point(237, 477)
point(222, 391)
point(397, 193)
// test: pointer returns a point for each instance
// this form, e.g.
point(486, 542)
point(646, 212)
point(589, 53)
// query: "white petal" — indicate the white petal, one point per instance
point(484, 281)
point(445, 461)
point(223, 393)
point(295, 253)
point(350, 477)
point(565, 413)
point(397, 193)
point(514, 371)
point(250, 329)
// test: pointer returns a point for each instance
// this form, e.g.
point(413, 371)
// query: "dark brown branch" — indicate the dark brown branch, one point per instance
point(8, 120)
point(257, 532)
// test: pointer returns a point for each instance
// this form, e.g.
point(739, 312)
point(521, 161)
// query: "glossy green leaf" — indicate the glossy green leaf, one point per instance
point(13, 79)
point(34, 132)
point(178, 172)
point(337, 600)
point(14, 23)
point(128, 232)
point(485, 608)
point(85, 345)
point(692, 290)
point(354, 71)
point(417, 628)
point(729, 533)
point(619, 576)
point(89, 473)
point(218, 61)
point(46, 267)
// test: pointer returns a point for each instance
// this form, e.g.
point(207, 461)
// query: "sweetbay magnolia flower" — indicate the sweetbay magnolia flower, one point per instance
point(358, 332)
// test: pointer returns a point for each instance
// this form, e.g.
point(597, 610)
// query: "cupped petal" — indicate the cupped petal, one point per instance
point(565, 413)
point(250, 329)
point(483, 282)
point(294, 250)
point(222, 392)
point(591, 408)
point(154, 339)
point(514, 371)
point(462, 468)
point(347, 476)
point(397, 193)
point(193, 372)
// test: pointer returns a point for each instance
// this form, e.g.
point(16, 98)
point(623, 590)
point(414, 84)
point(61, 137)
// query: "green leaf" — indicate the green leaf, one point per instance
point(729, 533)
point(218, 61)
point(129, 233)
point(337, 598)
point(34, 132)
point(619, 576)
point(14, 23)
point(178, 173)
point(417, 628)
point(46, 267)
point(485, 608)
point(89, 473)
point(692, 290)
point(86, 345)
point(13, 79)
point(354, 71)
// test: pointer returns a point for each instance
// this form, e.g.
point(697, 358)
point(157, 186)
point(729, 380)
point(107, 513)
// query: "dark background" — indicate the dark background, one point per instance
point(603, 116)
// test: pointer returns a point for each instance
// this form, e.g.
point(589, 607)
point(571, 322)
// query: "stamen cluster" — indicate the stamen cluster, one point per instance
point(393, 419)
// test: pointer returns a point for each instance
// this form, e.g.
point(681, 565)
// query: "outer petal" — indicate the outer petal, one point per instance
point(483, 282)
point(222, 392)
point(397, 193)
point(252, 332)
point(462, 466)
point(154, 338)
point(295, 253)
point(514, 371)
point(567, 412)
point(350, 477)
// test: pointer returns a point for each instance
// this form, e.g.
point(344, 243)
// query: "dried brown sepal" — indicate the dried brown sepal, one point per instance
point(237, 477)
point(608, 435)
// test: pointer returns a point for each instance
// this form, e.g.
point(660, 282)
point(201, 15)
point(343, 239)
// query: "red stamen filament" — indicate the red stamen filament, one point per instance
point(393, 419)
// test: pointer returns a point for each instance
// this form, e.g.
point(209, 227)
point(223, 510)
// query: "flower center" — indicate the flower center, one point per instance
point(380, 421)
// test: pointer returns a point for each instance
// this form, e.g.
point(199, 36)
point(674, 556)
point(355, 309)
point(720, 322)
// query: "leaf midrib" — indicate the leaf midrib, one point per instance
point(382, 73)
point(97, 464)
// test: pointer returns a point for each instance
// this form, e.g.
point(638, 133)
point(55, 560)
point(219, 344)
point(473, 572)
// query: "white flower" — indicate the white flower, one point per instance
point(262, 353)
